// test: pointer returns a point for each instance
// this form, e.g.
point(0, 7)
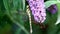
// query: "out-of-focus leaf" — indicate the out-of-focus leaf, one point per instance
point(53, 0)
point(58, 19)
point(6, 4)
point(18, 31)
point(2, 9)
point(19, 4)
point(15, 4)
point(49, 3)
point(23, 4)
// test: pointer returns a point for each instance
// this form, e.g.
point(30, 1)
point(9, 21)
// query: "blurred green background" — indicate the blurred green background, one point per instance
point(14, 19)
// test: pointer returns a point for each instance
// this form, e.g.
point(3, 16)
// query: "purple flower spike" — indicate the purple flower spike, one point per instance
point(38, 11)
point(52, 9)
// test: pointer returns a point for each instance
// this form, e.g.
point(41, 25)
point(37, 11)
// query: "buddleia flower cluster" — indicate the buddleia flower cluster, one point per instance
point(38, 10)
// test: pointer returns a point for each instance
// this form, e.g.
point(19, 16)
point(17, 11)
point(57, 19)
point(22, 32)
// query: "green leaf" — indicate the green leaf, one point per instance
point(23, 4)
point(58, 19)
point(15, 4)
point(53, 0)
point(49, 3)
point(6, 4)
point(18, 31)
point(19, 4)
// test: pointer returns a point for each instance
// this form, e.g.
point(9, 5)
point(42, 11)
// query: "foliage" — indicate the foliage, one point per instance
point(14, 19)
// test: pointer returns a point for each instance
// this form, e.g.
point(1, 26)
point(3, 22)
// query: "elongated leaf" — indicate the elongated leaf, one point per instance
point(19, 4)
point(58, 19)
point(6, 4)
point(23, 1)
point(15, 4)
point(49, 3)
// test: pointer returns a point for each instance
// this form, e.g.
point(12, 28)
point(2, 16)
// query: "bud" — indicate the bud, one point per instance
point(52, 9)
point(38, 10)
